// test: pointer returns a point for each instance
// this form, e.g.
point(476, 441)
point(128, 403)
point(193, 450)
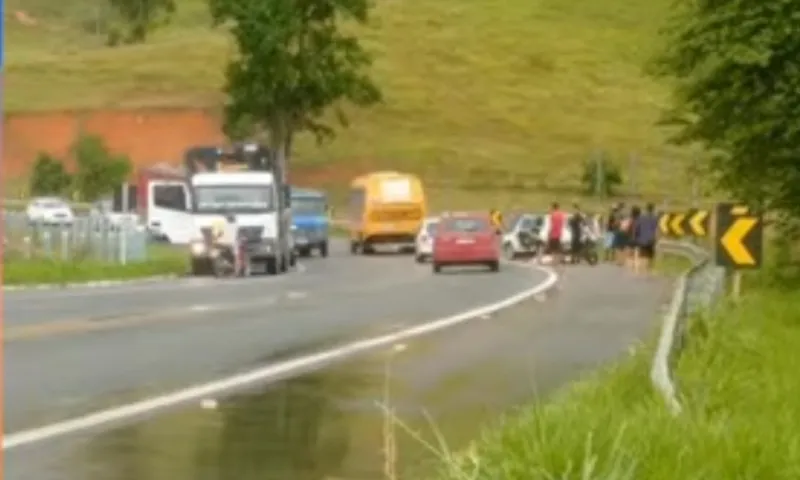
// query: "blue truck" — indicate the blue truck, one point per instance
point(310, 221)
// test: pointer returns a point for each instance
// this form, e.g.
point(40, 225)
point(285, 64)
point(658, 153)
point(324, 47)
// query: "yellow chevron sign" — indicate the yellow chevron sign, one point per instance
point(733, 240)
point(676, 224)
point(663, 223)
point(698, 223)
point(739, 242)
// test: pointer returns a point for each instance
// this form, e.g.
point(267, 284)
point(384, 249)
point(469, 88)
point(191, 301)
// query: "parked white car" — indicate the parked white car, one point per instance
point(103, 217)
point(423, 247)
point(513, 247)
point(50, 211)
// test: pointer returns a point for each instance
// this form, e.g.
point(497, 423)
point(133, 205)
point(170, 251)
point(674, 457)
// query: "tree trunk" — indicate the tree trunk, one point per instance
point(281, 146)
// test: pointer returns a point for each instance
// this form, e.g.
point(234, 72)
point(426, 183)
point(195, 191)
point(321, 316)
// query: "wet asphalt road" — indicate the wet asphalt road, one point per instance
point(461, 377)
point(69, 352)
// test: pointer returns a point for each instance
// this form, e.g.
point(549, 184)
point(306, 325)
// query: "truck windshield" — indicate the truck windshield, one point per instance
point(233, 198)
point(308, 206)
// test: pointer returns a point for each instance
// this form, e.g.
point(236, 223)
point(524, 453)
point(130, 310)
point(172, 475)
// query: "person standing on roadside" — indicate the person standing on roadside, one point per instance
point(645, 236)
point(620, 242)
point(576, 223)
point(553, 232)
point(630, 254)
point(610, 232)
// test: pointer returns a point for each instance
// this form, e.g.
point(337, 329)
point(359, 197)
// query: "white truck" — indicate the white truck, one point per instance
point(247, 184)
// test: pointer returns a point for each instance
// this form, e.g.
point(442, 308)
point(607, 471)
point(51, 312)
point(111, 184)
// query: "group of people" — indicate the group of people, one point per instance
point(630, 236)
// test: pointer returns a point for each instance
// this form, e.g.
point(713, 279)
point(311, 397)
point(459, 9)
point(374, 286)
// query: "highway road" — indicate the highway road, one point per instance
point(460, 373)
point(69, 352)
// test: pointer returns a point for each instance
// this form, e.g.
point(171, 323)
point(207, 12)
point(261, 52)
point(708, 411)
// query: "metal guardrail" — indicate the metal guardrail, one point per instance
point(696, 290)
point(86, 238)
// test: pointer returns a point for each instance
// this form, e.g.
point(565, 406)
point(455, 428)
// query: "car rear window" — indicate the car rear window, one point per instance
point(467, 225)
point(430, 228)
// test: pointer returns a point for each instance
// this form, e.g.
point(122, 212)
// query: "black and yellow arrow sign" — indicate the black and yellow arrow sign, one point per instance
point(676, 224)
point(739, 232)
point(663, 223)
point(697, 222)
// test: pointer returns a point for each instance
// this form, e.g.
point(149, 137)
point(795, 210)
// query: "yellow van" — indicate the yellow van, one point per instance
point(385, 208)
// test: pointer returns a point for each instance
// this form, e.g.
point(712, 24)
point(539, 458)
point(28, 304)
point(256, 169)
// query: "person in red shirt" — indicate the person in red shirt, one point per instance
point(557, 222)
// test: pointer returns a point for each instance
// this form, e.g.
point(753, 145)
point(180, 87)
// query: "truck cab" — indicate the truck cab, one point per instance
point(310, 221)
point(247, 184)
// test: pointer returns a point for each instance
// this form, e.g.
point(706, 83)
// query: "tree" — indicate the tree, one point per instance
point(294, 65)
point(137, 18)
point(601, 176)
point(737, 94)
point(99, 172)
point(49, 177)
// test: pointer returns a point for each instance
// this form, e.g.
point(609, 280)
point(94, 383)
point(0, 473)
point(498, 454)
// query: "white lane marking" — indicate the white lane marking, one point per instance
point(265, 373)
point(296, 295)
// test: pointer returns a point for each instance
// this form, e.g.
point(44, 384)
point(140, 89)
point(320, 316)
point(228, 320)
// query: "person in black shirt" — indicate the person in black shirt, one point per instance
point(576, 223)
point(610, 232)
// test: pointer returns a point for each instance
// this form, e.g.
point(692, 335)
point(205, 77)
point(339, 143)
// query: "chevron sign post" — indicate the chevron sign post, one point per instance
point(739, 241)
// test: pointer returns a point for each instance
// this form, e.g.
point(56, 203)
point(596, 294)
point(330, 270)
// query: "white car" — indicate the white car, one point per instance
point(103, 217)
point(49, 211)
point(526, 222)
point(423, 247)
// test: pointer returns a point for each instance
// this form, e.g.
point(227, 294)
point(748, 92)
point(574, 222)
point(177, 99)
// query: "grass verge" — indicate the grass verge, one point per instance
point(739, 385)
point(20, 271)
point(479, 95)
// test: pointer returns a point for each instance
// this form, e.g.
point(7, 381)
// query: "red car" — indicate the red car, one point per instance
point(466, 239)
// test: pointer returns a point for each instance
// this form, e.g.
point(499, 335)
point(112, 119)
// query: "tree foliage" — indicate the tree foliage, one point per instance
point(137, 18)
point(737, 78)
point(49, 176)
point(295, 64)
point(601, 176)
point(98, 172)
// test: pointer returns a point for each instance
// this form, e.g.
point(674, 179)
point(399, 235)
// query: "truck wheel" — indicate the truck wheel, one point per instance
point(420, 258)
point(271, 266)
point(494, 266)
point(437, 268)
point(293, 259)
point(199, 269)
point(354, 247)
point(323, 249)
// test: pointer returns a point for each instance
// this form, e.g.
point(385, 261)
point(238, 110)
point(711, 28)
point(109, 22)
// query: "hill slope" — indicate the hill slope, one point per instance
point(509, 96)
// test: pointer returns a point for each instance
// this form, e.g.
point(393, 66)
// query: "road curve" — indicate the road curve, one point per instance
point(71, 351)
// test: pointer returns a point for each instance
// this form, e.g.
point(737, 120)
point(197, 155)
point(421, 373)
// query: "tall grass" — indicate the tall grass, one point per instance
point(740, 389)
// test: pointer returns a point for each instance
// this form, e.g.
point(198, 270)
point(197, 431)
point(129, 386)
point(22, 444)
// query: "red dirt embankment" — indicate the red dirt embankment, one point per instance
point(148, 136)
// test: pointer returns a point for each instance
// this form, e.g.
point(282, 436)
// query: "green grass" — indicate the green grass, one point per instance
point(739, 385)
point(22, 271)
point(490, 101)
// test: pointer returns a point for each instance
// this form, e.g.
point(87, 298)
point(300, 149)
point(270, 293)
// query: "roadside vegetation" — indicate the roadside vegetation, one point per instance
point(491, 103)
point(737, 378)
point(20, 269)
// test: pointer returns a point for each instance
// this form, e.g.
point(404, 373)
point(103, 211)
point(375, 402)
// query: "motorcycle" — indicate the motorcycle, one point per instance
point(586, 252)
point(228, 260)
point(530, 242)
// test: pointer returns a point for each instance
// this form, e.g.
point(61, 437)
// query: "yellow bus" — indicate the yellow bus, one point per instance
point(385, 208)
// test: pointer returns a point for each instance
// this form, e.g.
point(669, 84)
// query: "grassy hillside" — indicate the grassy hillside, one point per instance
point(507, 97)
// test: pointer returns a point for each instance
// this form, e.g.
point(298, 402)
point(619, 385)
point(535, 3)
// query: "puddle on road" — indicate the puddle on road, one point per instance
point(332, 425)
